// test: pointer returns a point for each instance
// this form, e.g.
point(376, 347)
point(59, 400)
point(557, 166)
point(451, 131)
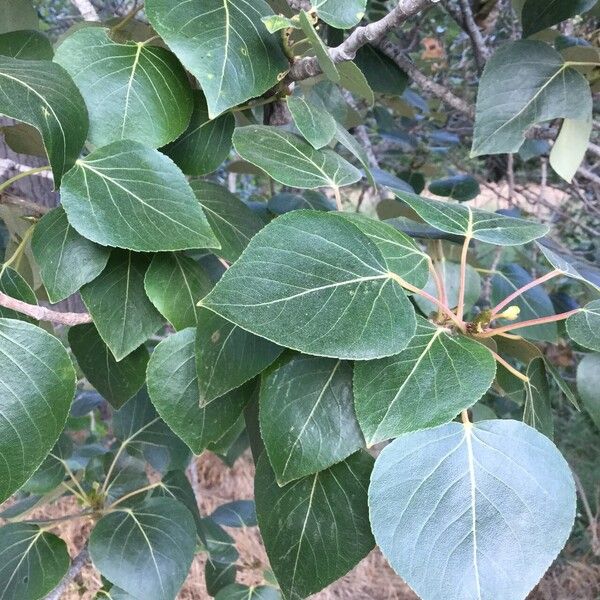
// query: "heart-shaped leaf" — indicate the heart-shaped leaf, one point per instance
point(314, 282)
point(290, 160)
point(584, 326)
point(38, 385)
point(428, 384)
point(26, 45)
point(149, 98)
point(42, 94)
point(224, 44)
point(307, 415)
point(458, 510)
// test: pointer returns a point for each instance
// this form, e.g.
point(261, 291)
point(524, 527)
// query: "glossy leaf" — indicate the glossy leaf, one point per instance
point(312, 120)
point(307, 415)
point(306, 280)
point(550, 90)
point(228, 356)
point(232, 222)
point(133, 91)
point(341, 14)
point(482, 225)
point(173, 389)
point(13, 285)
point(315, 529)
point(541, 14)
point(66, 259)
point(290, 160)
point(146, 550)
point(174, 283)
point(130, 196)
point(428, 384)
point(26, 45)
point(457, 510)
point(458, 187)
point(122, 313)
point(588, 384)
point(205, 144)
point(584, 327)
point(38, 385)
point(116, 381)
point(32, 561)
point(224, 44)
point(42, 94)
point(538, 411)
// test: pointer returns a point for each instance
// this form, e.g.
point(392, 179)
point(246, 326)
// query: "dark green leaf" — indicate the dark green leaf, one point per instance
point(13, 285)
point(571, 266)
point(26, 45)
point(459, 187)
point(38, 385)
point(123, 314)
point(147, 550)
point(51, 472)
point(315, 529)
point(176, 485)
point(173, 388)
point(217, 542)
point(458, 510)
point(32, 561)
point(538, 411)
point(588, 384)
point(382, 73)
point(116, 381)
point(205, 144)
point(42, 94)
point(541, 14)
point(24, 139)
point(290, 160)
point(132, 91)
point(307, 415)
point(319, 48)
point(66, 259)
point(218, 576)
point(312, 120)
point(307, 280)
point(428, 384)
point(131, 196)
point(310, 199)
point(584, 326)
point(241, 513)
point(341, 14)
point(224, 44)
point(351, 144)
point(237, 591)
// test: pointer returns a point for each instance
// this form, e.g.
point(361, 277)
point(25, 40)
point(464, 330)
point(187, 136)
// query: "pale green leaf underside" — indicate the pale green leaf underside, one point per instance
point(428, 384)
point(37, 384)
point(459, 511)
point(318, 47)
point(584, 326)
point(313, 282)
point(290, 160)
point(482, 225)
point(43, 95)
point(588, 384)
point(224, 44)
point(130, 196)
point(313, 121)
point(537, 412)
point(341, 14)
point(132, 91)
point(571, 266)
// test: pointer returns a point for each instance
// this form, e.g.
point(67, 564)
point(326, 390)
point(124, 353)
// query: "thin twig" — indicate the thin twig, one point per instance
point(479, 47)
point(41, 313)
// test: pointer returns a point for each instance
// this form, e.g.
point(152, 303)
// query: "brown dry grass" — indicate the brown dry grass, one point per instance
point(372, 579)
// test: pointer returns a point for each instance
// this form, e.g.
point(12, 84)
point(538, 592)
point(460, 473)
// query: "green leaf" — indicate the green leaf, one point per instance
point(588, 382)
point(534, 303)
point(205, 144)
point(541, 14)
point(66, 259)
point(429, 383)
point(458, 187)
point(217, 542)
point(241, 513)
point(538, 411)
point(572, 266)
point(38, 384)
point(312, 281)
point(224, 44)
point(313, 121)
point(174, 283)
point(346, 139)
point(173, 389)
point(232, 222)
point(570, 147)
point(354, 80)
point(319, 48)
point(18, 14)
point(228, 356)
point(176, 485)
point(275, 23)
point(132, 91)
point(482, 225)
point(123, 314)
point(218, 575)
point(284, 202)
point(315, 529)
point(382, 73)
point(23, 139)
point(307, 415)
point(584, 326)
point(290, 160)
point(42, 94)
point(459, 510)
point(51, 472)
point(146, 550)
point(32, 561)
point(341, 14)
point(237, 591)
point(13, 285)
point(115, 381)
point(131, 196)
point(550, 90)
point(26, 45)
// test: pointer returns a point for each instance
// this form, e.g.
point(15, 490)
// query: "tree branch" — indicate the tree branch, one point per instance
point(87, 10)
point(479, 46)
point(6, 164)
point(371, 33)
point(41, 313)
point(76, 566)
